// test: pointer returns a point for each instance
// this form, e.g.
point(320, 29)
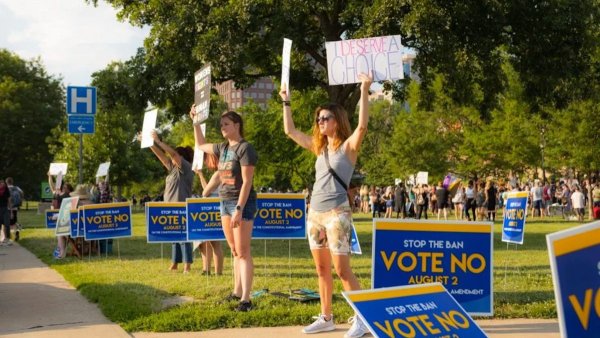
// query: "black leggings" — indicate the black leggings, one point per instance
point(377, 209)
point(421, 209)
point(470, 205)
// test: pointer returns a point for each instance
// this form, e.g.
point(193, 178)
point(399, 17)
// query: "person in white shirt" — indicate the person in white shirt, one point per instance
point(578, 202)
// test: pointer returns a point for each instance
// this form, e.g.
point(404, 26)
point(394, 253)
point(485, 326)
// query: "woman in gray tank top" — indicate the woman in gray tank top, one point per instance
point(329, 223)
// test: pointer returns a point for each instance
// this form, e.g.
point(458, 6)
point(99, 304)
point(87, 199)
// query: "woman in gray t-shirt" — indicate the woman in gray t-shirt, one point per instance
point(329, 223)
point(237, 160)
point(178, 187)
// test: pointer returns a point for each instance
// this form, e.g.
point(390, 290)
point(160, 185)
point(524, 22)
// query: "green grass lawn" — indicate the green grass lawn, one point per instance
point(130, 290)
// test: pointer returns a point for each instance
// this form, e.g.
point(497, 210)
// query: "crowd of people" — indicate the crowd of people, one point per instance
point(477, 200)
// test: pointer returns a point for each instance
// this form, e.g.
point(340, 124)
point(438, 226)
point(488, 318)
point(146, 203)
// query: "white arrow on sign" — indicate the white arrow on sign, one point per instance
point(81, 128)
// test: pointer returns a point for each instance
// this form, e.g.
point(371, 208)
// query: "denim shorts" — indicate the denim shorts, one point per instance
point(228, 208)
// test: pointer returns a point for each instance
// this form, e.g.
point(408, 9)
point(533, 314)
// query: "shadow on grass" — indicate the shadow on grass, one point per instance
point(515, 270)
point(522, 297)
point(122, 302)
point(532, 241)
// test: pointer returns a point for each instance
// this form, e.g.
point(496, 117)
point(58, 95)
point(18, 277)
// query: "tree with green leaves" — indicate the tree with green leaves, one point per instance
point(573, 137)
point(31, 104)
point(550, 43)
point(427, 137)
point(375, 160)
point(509, 143)
point(243, 41)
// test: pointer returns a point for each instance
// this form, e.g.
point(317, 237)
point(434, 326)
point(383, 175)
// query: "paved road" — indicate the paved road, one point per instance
point(35, 301)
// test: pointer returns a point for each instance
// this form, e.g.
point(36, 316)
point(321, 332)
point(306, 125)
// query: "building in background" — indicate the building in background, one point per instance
point(260, 92)
point(407, 63)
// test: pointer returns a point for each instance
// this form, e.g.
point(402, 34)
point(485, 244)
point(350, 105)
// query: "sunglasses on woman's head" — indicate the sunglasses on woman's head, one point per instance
point(320, 119)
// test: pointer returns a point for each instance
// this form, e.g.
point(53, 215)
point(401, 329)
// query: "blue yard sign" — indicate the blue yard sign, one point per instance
point(80, 222)
point(354, 244)
point(280, 216)
point(166, 222)
point(203, 217)
point(575, 263)
point(75, 224)
point(51, 218)
point(513, 227)
point(426, 310)
point(456, 254)
point(108, 220)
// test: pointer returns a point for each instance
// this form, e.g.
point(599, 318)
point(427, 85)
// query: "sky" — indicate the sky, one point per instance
point(73, 38)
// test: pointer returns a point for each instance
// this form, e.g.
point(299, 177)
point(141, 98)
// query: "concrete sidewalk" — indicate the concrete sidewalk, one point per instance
point(513, 328)
point(35, 301)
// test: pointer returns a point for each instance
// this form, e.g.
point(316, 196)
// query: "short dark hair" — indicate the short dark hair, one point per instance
point(68, 186)
point(9, 180)
point(186, 152)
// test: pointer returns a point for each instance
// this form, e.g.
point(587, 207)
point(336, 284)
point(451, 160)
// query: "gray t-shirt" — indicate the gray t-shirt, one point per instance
point(231, 160)
point(178, 185)
point(536, 193)
point(328, 193)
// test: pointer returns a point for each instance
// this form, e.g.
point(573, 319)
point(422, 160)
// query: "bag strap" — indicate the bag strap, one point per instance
point(332, 172)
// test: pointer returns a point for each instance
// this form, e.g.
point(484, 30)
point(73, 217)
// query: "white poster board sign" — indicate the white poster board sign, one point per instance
point(148, 127)
point(56, 168)
point(58, 183)
point(103, 169)
point(198, 162)
point(347, 58)
point(423, 177)
point(285, 65)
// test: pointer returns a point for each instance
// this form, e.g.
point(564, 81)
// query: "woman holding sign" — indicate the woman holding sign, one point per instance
point(178, 187)
point(237, 159)
point(57, 196)
point(329, 222)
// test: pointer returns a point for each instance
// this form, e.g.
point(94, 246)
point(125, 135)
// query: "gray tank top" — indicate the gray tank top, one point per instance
point(328, 193)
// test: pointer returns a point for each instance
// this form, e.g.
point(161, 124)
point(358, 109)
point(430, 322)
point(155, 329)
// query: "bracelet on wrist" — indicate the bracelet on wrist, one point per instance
point(287, 103)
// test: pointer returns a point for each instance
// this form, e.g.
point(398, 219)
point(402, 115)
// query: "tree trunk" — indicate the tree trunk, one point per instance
point(346, 95)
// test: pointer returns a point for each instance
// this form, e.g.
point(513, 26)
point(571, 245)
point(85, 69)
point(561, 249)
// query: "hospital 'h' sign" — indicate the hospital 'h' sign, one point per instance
point(81, 100)
point(81, 108)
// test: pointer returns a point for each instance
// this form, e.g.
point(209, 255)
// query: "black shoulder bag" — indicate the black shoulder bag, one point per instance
point(335, 175)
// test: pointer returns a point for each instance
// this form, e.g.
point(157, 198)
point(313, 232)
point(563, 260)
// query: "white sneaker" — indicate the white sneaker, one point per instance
point(320, 325)
point(7, 242)
point(358, 328)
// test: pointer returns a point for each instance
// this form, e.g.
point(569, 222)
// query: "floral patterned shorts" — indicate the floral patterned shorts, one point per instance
point(330, 229)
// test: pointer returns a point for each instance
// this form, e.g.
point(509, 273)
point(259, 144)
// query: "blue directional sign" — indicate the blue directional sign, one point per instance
point(81, 100)
point(81, 124)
